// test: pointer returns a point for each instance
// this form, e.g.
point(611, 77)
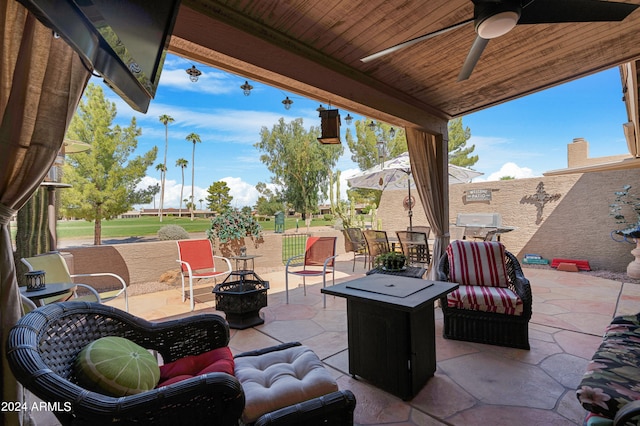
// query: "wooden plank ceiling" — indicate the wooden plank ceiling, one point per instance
point(314, 48)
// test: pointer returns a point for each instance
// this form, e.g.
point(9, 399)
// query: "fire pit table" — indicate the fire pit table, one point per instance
point(241, 296)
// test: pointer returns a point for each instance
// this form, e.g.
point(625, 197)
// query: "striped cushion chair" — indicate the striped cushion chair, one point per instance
point(493, 303)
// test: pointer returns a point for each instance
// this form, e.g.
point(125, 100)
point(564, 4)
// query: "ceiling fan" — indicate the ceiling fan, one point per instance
point(494, 18)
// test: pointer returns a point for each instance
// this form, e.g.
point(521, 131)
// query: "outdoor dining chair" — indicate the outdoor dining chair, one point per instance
point(415, 246)
point(354, 242)
point(377, 243)
point(57, 271)
point(197, 261)
point(320, 252)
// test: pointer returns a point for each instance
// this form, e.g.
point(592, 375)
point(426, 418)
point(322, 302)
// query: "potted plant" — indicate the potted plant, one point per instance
point(625, 209)
point(392, 261)
point(230, 228)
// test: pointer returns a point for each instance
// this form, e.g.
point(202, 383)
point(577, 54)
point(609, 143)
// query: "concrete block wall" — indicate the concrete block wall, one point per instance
point(574, 221)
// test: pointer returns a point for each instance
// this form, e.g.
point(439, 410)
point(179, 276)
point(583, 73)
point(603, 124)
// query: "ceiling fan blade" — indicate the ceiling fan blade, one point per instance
point(555, 11)
point(413, 41)
point(472, 57)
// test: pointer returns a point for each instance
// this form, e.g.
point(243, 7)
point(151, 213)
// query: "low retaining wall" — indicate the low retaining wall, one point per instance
point(148, 261)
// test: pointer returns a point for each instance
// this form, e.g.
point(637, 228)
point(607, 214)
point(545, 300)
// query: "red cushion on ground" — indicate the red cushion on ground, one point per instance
point(215, 361)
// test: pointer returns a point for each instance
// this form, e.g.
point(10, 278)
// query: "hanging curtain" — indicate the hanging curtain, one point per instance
point(429, 165)
point(41, 82)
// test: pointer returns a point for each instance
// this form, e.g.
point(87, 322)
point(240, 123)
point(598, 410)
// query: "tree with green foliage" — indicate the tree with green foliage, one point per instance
point(268, 203)
point(218, 198)
point(507, 178)
point(104, 179)
point(459, 153)
point(299, 163)
point(193, 138)
point(164, 119)
point(182, 163)
point(371, 146)
point(364, 148)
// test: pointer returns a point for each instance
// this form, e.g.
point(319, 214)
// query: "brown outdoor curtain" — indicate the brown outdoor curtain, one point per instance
point(429, 163)
point(41, 82)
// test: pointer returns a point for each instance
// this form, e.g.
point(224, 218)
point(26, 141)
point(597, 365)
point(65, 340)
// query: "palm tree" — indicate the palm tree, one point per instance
point(201, 201)
point(162, 169)
point(182, 163)
point(194, 138)
point(164, 119)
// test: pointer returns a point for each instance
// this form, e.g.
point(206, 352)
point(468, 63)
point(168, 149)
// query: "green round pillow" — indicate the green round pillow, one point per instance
point(117, 367)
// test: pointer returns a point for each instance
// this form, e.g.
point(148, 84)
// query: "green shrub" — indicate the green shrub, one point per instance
point(172, 232)
point(328, 217)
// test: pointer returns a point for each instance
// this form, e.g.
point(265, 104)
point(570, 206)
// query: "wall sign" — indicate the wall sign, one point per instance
point(477, 195)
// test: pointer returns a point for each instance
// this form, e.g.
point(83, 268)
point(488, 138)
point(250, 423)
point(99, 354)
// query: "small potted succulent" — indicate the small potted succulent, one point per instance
point(392, 261)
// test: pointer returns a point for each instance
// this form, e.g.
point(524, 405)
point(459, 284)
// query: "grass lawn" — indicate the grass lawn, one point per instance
point(145, 226)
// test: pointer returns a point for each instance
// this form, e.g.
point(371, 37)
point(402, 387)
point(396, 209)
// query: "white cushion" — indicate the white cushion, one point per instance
point(281, 378)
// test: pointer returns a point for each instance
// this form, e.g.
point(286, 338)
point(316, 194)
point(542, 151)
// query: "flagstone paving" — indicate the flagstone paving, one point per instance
point(474, 383)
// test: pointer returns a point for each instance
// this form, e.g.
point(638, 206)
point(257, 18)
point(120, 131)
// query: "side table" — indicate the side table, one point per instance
point(49, 290)
point(244, 260)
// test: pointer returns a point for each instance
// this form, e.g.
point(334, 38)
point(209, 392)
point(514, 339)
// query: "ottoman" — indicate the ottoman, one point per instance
point(279, 377)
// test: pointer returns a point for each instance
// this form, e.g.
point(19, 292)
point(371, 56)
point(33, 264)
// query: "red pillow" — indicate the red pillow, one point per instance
point(215, 361)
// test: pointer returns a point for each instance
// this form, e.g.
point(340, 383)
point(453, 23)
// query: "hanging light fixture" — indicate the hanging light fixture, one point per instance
point(320, 108)
point(392, 133)
point(372, 126)
point(246, 88)
point(329, 126)
point(194, 73)
point(348, 119)
point(287, 103)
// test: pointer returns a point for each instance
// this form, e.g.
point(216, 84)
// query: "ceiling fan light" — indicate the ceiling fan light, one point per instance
point(497, 25)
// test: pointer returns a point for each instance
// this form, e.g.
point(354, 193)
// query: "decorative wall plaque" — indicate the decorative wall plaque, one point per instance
point(477, 195)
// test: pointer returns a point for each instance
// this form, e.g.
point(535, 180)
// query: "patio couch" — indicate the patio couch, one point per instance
point(610, 388)
point(43, 352)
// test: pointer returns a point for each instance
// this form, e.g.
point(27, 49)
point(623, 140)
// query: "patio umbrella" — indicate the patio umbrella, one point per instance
point(395, 174)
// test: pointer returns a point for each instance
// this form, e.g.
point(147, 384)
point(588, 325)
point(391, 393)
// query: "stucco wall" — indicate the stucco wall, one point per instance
point(577, 225)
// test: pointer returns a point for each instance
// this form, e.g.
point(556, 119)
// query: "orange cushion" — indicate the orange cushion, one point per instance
point(218, 360)
point(477, 263)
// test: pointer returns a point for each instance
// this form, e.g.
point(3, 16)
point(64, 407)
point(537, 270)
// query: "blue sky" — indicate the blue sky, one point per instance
point(521, 138)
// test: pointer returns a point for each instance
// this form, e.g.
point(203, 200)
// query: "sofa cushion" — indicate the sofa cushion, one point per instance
point(116, 366)
point(487, 299)
point(218, 360)
point(280, 378)
point(477, 263)
point(612, 378)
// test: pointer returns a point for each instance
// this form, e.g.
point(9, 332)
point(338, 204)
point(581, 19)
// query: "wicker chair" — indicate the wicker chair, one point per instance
point(43, 345)
point(490, 327)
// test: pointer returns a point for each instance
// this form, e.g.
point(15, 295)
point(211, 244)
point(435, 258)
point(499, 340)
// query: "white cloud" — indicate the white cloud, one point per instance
point(243, 193)
point(508, 169)
point(172, 193)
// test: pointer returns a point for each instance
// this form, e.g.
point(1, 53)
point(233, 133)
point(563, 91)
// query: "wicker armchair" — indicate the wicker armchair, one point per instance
point(43, 345)
point(490, 327)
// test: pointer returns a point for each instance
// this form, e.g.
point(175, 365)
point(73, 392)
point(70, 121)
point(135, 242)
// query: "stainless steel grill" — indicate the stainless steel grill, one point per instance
point(485, 226)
